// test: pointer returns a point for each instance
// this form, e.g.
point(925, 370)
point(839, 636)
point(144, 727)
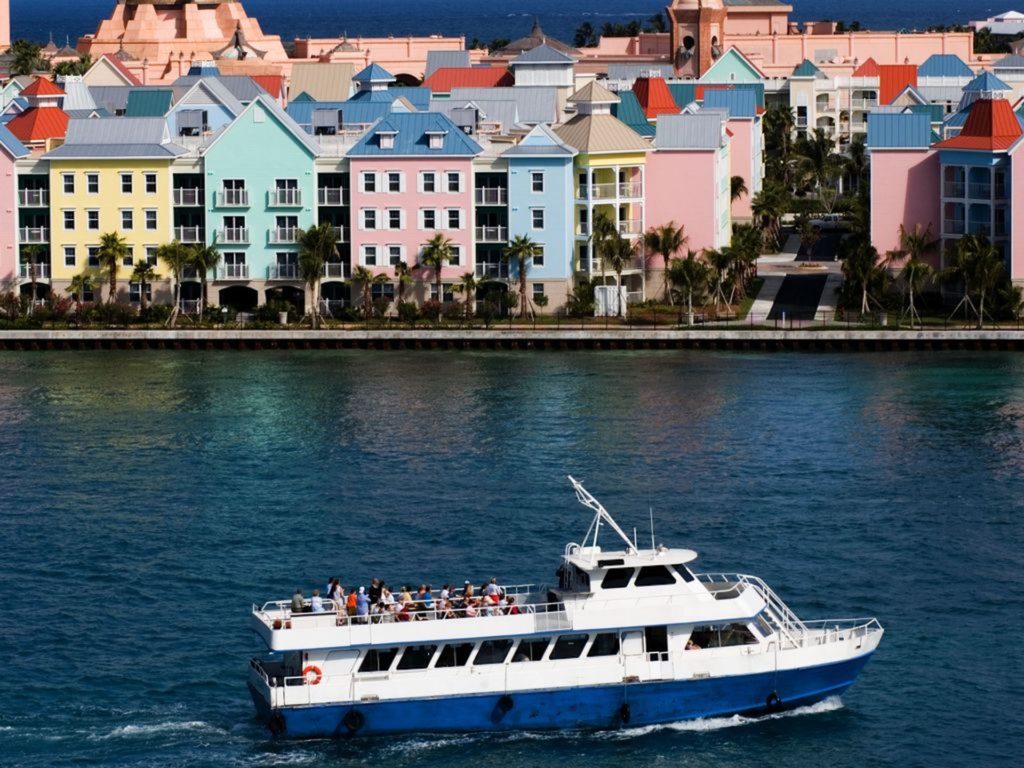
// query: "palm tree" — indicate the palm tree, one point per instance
point(618, 252)
point(768, 207)
point(602, 230)
point(691, 275)
point(205, 259)
point(403, 279)
point(521, 250)
point(856, 162)
point(468, 284)
point(32, 255)
point(666, 240)
point(436, 251)
point(746, 247)
point(316, 245)
point(28, 58)
point(979, 267)
point(817, 165)
point(916, 271)
point(737, 188)
point(80, 284)
point(861, 269)
point(144, 275)
point(367, 279)
point(176, 256)
point(720, 261)
point(112, 252)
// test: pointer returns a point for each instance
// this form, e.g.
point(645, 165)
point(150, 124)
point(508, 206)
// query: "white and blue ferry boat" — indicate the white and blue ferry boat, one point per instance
point(629, 637)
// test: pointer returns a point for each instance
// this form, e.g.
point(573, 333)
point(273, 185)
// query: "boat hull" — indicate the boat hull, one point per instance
point(595, 707)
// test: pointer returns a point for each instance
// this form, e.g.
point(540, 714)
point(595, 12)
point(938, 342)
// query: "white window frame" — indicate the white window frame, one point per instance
point(146, 212)
point(92, 255)
point(371, 177)
point(448, 176)
point(423, 182)
point(542, 255)
point(88, 219)
point(538, 290)
point(401, 182)
point(363, 224)
point(533, 182)
point(423, 218)
point(365, 255)
point(89, 177)
point(65, 179)
point(127, 176)
point(148, 177)
point(401, 218)
point(70, 253)
point(533, 218)
point(456, 257)
point(448, 218)
point(64, 219)
point(391, 258)
point(131, 219)
point(150, 251)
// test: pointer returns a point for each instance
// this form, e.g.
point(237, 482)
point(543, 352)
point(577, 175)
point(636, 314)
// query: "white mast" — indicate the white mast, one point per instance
point(586, 499)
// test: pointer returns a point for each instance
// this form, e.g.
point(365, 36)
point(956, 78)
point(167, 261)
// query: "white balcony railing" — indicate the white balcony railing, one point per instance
point(234, 235)
point(491, 196)
point(336, 269)
point(33, 198)
point(233, 198)
point(611, 191)
point(280, 235)
point(285, 198)
point(330, 196)
point(235, 272)
point(283, 272)
point(188, 234)
point(339, 234)
point(492, 269)
point(491, 234)
point(631, 227)
point(42, 270)
point(34, 235)
point(188, 196)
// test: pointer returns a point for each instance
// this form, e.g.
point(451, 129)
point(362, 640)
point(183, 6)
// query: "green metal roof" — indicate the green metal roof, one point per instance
point(148, 103)
point(807, 69)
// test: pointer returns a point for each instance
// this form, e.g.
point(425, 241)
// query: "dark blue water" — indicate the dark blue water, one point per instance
point(146, 499)
point(487, 20)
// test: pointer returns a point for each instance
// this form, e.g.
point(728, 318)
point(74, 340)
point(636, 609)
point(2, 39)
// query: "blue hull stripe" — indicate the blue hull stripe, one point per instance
point(608, 706)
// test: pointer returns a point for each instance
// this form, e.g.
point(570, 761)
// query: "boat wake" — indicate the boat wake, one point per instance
point(128, 731)
point(703, 725)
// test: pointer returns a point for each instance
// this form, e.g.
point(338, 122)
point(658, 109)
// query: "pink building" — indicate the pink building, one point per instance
point(746, 149)
point(694, 148)
point(10, 150)
point(412, 178)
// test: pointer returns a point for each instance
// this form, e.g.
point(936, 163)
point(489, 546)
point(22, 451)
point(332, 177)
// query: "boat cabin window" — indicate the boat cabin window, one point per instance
point(605, 644)
point(656, 639)
point(454, 655)
point(572, 579)
point(416, 657)
point(654, 576)
point(608, 563)
point(378, 660)
point(722, 636)
point(683, 571)
point(568, 647)
point(531, 650)
point(764, 626)
point(616, 578)
point(493, 652)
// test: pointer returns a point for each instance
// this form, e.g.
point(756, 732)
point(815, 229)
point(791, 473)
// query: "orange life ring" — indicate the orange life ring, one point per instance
point(318, 675)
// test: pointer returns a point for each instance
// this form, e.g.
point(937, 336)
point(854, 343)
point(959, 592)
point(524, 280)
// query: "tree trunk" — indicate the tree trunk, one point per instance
point(142, 298)
point(689, 306)
point(113, 285)
point(981, 310)
point(175, 295)
point(522, 289)
point(864, 301)
point(668, 287)
point(618, 292)
point(316, 304)
point(205, 295)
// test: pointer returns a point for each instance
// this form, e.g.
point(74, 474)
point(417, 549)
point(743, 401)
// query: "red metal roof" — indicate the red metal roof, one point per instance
point(654, 97)
point(869, 68)
point(269, 83)
point(446, 78)
point(120, 67)
point(991, 125)
point(42, 86)
point(39, 124)
point(893, 78)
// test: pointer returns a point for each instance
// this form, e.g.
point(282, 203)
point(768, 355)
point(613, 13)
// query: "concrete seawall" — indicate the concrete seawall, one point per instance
point(516, 339)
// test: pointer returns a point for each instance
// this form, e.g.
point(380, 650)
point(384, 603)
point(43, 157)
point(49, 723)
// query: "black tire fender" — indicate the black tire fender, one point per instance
point(354, 720)
point(277, 724)
point(505, 703)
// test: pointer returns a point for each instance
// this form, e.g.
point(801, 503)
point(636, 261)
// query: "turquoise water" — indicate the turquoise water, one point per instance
point(146, 499)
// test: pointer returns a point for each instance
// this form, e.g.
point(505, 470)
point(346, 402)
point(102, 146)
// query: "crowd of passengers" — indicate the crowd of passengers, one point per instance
point(379, 604)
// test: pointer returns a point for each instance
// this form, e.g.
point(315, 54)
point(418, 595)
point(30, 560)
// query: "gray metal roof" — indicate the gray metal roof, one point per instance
point(68, 151)
point(1011, 61)
point(542, 54)
point(77, 96)
point(214, 89)
point(113, 98)
point(633, 71)
point(933, 93)
point(701, 130)
point(541, 141)
point(438, 59)
point(504, 113)
point(242, 87)
point(268, 103)
point(536, 104)
point(117, 137)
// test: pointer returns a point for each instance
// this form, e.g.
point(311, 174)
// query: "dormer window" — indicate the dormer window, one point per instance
point(386, 139)
point(435, 139)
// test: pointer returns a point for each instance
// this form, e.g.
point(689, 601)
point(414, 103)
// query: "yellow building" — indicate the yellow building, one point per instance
point(110, 176)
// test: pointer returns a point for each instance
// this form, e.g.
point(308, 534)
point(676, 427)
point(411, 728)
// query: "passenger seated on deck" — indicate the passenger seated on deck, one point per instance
point(298, 601)
point(428, 602)
point(446, 611)
point(511, 609)
point(405, 597)
point(471, 610)
point(402, 613)
point(467, 590)
point(316, 603)
point(420, 602)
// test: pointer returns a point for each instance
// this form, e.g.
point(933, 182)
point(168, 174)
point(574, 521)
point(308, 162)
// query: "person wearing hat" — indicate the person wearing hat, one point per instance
point(467, 590)
point(362, 606)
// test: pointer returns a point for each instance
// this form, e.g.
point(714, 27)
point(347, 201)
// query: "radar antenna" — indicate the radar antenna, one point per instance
point(584, 497)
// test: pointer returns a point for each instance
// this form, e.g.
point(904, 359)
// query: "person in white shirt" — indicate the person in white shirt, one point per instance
point(316, 603)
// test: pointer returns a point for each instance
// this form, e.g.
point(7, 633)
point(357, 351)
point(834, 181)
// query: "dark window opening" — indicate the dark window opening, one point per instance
point(493, 652)
point(378, 660)
point(683, 571)
point(531, 650)
point(454, 655)
point(616, 578)
point(611, 562)
point(605, 644)
point(722, 636)
point(654, 576)
point(417, 657)
point(656, 639)
point(568, 647)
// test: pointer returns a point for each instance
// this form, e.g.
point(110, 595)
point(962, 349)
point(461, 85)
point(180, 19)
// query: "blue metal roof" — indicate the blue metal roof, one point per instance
point(944, 65)
point(738, 103)
point(986, 81)
point(906, 130)
point(374, 73)
point(806, 68)
point(684, 93)
point(418, 97)
point(11, 143)
point(629, 111)
point(410, 130)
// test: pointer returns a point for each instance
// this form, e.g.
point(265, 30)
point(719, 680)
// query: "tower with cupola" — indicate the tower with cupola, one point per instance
point(696, 28)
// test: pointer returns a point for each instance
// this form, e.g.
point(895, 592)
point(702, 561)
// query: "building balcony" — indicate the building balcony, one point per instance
point(491, 196)
point(234, 272)
point(238, 235)
point(42, 270)
point(331, 196)
point(336, 270)
point(983, 228)
point(33, 198)
point(492, 234)
point(953, 189)
point(188, 196)
point(284, 198)
point(953, 227)
point(611, 191)
point(233, 198)
point(282, 235)
point(631, 227)
point(283, 272)
point(188, 234)
point(825, 105)
point(864, 104)
point(339, 234)
point(597, 265)
point(495, 270)
point(34, 235)
point(978, 191)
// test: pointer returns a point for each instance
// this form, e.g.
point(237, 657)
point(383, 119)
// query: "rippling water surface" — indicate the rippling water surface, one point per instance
point(146, 499)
